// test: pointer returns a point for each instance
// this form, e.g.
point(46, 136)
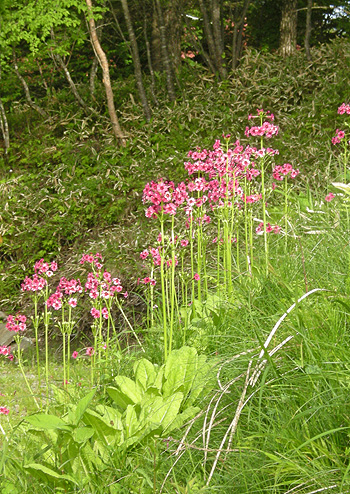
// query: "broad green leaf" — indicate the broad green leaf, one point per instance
point(200, 380)
point(45, 421)
point(180, 370)
point(131, 422)
point(102, 430)
point(82, 406)
point(161, 411)
point(111, 416)
point(47, 474)
point(145, 373)
point(118, 397)
point(158, 382)
point(82, 434)
point(128, 388)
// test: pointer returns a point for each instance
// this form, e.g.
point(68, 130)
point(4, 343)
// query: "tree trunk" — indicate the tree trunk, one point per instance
point(106, 78)
point(165, 54)
point(213, 35)
point(4, 129)
point(150, 65)
point(94, 67)
point(136, 60)
point(238, 35)
point(308, 30)
point(93, 73)
point(173, 24)
point(31, 103)
point(156, 44)
point(288, 28)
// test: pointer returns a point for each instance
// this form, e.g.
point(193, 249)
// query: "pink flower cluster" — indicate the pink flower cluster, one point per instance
point(329, 197)
point(102, 285)
point(269, 228)
point(6, 351)
point(94, 259)
point(280, 171)
point(339, 135)
point(147, 280)
point(16, 323)
point(45, 268)
point(343, 108)
point(34, 284)
point(4, 411)
point(267, 130)
point(96, 313)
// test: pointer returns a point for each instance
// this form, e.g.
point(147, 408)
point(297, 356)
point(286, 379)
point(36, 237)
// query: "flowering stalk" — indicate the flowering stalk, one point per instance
point(18, 341)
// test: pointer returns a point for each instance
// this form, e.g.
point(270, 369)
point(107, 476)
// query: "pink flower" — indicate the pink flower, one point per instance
point(329, 197)
point(4, 411)
point(16, 323)
point(196, 277)
point(95, 313)
point(74, 355)
point(72, 302)
point(105, 313)
point(184, 243)
point(90, 351)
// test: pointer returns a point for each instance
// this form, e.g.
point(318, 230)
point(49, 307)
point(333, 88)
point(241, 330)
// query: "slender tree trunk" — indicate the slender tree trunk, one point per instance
point(136, 60)
point(308, 30)
point(238, 36)
point(212, 31)
point(93, 73)
point(31, 103)
point(165, 54)
point(173, 24)
point(150, 65)
point(288, 28)
point(94, 67)
point(4, 129)
point(106, 78)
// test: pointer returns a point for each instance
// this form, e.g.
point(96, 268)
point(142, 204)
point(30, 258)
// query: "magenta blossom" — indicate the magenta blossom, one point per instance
point(75, 355)
point(329, 197)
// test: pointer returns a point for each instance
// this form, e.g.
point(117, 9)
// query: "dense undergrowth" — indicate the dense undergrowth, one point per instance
point(66, 182)
point(233, 374)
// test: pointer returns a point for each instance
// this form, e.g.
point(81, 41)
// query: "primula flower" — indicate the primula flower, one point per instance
point(105, 313)
point(344, 109)
point(16, 323)
point(95, 313)
point(72, 302)
point(90, 351)
point(75, 355)
point(196, 277)
point(144, 254)
point(4, 411)
point(340, 134)
point(34, 284)
point(329, 197)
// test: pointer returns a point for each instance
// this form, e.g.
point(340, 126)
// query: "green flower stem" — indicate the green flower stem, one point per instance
point(172, 286)
point(285, 212)
point(162, 281)
point(218, 277)
point(18, 341)
point(266, 245)
point(46, 324)
point(36, 326)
